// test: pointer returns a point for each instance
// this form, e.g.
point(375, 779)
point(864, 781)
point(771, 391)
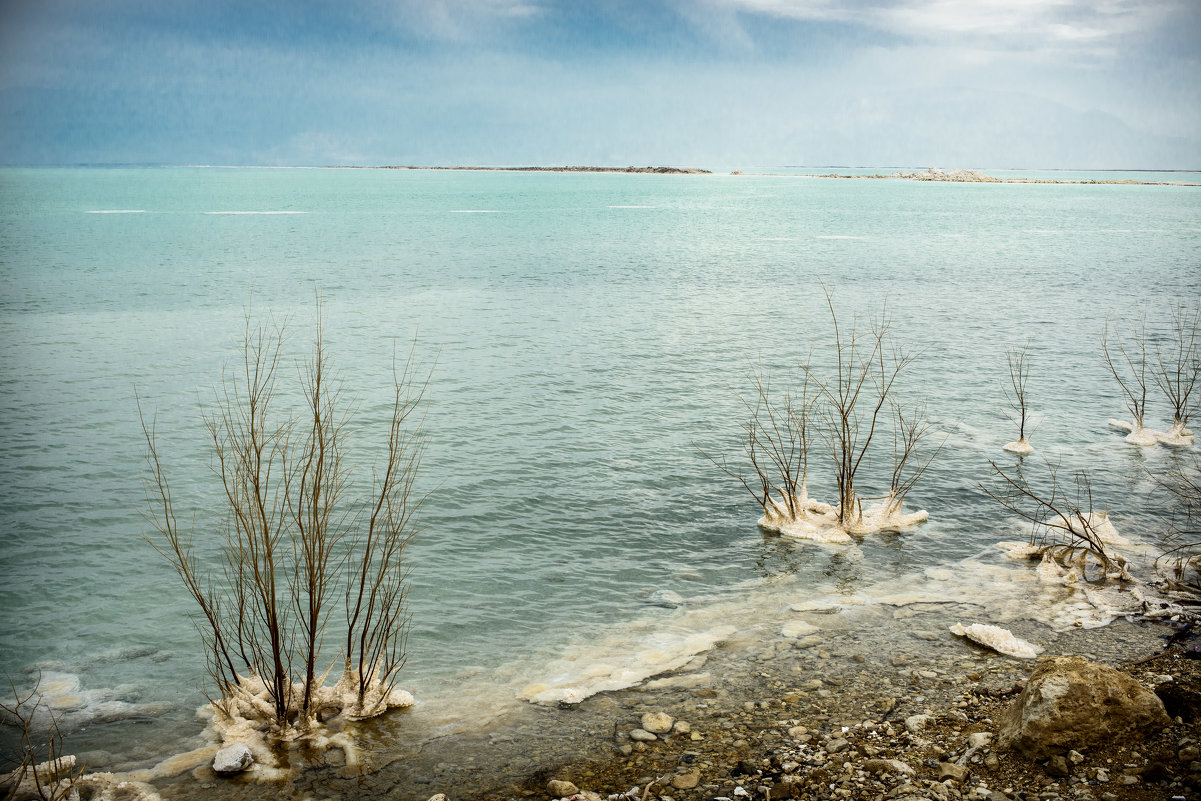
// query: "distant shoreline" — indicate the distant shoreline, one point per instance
point(976, 177)
point(933, 174)
point(639, 170)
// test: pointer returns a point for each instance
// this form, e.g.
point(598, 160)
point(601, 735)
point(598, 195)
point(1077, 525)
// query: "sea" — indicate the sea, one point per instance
point(591, 343)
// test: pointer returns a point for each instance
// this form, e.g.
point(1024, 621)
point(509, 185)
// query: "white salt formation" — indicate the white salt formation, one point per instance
point(1178, 436)
point(1022, 447)
point(57, 779)
point(577, 676)
point(1000, 640)
point(818, 521)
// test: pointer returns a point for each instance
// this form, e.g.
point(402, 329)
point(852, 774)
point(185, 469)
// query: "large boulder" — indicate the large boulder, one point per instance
point(1071, 703)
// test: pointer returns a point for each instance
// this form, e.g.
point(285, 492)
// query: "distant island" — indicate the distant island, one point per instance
point(931, 174)
point(977, 177)
point(653, 170)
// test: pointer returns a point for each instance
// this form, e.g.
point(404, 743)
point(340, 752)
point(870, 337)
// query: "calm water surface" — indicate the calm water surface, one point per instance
point(587, 334)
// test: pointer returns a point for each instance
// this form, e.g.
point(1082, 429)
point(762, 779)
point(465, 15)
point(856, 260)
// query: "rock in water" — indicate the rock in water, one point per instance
point(559, 788)
point(657, 722)
point(1072, 703)
point(234, 759)
point(666, 599)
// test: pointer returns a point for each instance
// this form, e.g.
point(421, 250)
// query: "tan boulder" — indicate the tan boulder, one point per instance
point(1072, 703)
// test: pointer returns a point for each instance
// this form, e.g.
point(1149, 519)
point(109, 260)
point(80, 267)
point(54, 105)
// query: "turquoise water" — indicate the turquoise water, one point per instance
point(586, 333)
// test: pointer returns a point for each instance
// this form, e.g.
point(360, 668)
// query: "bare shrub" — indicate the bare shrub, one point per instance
point(1127, 363)
point(1177, 368)
point(1064, 522)
point(40, 769)
point(294, 537)
point(1018, 361)
point(843, 407)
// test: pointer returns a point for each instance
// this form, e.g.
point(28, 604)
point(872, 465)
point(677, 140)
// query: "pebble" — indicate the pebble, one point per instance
point(686, 781)
point(642, 736)
point(980, 739)
point(837, 746)
point(915, 723)
point(657, 722)
point(561, 789)
point(888, 766)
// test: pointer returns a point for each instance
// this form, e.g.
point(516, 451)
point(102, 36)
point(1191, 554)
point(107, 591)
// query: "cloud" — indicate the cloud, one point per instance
point(1017, 24)
point(455, 20)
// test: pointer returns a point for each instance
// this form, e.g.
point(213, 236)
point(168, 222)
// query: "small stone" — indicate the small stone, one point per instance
point(1190, 753)
point(1075, 757)
point(694, 736)
point(992, 762)
point(785, 790)
point(1057, 766)
point(686, 781)
point(949, 770)
point(561, 789)
point(657, 722)
point(1102, 775)
point(915, 723)
point(438, 797)
point(1128, 779)
point(626, 749)
point(887, 766)
point(681, 727)
point(837, 746)
point(233, 759)
point(642, 736)
point(979, 739)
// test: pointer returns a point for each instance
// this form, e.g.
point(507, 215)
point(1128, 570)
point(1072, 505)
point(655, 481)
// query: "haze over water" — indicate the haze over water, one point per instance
point(586, 334)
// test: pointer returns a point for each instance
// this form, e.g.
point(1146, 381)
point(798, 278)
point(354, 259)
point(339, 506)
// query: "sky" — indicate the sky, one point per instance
point(1035, 84)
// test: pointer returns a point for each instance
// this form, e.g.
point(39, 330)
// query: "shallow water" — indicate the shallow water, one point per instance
point(586, 337)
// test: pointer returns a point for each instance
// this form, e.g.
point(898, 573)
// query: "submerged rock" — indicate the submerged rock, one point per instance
point(666, 599)
point(1071, 703)
point(559, 788)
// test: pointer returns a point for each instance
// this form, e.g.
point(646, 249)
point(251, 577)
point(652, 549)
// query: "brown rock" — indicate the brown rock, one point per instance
point(686, 781)
point(561, 789)
point(1071, 703)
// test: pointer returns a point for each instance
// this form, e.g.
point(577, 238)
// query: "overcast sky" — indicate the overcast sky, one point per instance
point(712, 83)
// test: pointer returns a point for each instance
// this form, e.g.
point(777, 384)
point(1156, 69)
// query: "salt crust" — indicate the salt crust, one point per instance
point(54, 779)
point(999, 639)
point(247, 718)
point(1178, 436)
point(573, 679)
point(818, 521)
point(1021, 447)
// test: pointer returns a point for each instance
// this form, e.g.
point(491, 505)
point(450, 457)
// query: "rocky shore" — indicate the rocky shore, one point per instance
point(831, 738)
